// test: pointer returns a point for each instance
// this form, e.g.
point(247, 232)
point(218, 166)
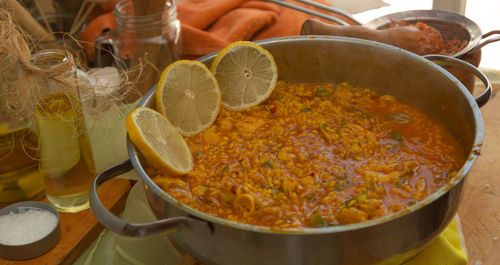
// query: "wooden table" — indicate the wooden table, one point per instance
point(79, 230)
point(480, 208)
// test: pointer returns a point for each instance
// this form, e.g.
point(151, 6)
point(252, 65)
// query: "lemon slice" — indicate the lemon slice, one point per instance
point(246, 73)
point(189, 96)
point(158, 141)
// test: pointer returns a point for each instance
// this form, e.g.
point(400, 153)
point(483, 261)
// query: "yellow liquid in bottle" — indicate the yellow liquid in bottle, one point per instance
point(65, 155)
point(19, 176)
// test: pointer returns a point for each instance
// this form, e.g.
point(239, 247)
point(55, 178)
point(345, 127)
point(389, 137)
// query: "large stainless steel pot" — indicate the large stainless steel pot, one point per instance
point(391, 239)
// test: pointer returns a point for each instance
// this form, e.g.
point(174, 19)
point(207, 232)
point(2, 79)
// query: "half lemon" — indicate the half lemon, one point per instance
point(247, 74)
point(158, 141)
point(189, 96)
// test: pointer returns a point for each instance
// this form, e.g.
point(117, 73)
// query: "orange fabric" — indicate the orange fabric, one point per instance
point(193, 37)
point(201, 13)
point(209, 25)
point(245, 22)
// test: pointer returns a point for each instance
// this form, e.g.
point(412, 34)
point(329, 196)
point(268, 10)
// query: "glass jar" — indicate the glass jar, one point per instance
point(65, 156)
point(152, 41)
point(158, 34)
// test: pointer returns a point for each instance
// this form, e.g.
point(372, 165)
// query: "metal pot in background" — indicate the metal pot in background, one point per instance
point(452, 26)
point(392, 239)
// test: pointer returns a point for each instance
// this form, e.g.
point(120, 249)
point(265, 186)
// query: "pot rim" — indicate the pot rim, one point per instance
point(469, 161)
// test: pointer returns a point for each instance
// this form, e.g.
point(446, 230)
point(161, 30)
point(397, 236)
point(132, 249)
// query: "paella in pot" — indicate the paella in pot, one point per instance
point(327, 213)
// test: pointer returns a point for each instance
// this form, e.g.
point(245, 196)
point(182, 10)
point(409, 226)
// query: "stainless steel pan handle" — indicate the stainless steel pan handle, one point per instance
point(443, 60)
point(119, 226)
point(486, 40)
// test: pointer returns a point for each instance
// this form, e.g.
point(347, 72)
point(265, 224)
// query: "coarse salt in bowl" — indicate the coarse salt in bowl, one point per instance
point(28, 230)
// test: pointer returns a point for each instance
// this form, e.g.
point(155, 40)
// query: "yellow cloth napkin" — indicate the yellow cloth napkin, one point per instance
point(448, 248)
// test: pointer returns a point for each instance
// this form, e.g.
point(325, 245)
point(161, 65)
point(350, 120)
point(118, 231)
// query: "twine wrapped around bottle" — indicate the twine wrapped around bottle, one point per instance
point(103, 107)
point(14, 50)
point(21, 92)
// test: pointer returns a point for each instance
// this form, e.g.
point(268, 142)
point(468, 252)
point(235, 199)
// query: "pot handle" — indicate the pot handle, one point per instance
point(485, 40)
point(443, 60)
point(119, 226)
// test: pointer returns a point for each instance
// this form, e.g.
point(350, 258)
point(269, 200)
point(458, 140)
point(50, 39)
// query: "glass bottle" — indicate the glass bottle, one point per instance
point(19, 175)
point(66, 161)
